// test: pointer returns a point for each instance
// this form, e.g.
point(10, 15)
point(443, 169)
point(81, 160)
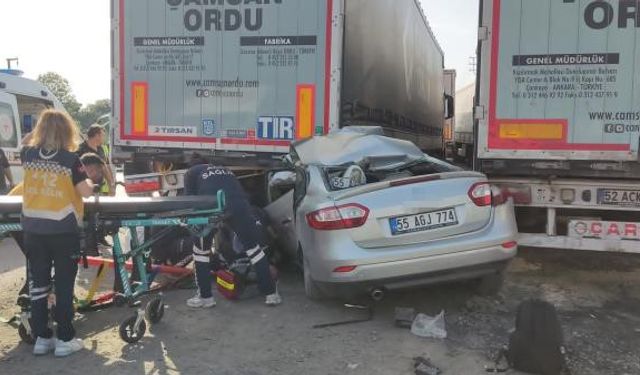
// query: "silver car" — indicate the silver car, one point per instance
point(365, 213)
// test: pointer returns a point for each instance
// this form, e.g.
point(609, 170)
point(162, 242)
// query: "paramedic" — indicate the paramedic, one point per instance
point(52, 209)
point(94, 167)
point(205, 179)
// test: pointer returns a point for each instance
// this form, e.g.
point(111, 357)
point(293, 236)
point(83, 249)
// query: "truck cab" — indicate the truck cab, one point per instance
point(21, 101)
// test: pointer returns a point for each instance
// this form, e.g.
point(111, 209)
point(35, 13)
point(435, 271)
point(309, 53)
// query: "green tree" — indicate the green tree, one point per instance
point(90, 113)
point(60, 87)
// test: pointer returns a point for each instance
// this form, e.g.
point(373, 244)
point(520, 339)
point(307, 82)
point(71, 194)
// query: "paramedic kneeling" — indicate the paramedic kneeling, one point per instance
point(205, 179)
point(54, 184)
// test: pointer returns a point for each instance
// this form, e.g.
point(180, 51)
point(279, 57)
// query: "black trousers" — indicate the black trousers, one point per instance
point(18, 237)
point(244, 224)
point(59, 251)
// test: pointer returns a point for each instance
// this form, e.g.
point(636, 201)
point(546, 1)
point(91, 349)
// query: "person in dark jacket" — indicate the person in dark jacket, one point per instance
point(206, 179)
point(95, 145)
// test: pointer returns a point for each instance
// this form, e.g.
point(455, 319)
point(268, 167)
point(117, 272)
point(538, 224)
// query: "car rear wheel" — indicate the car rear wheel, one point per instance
point(311, 288)
point(490, 284)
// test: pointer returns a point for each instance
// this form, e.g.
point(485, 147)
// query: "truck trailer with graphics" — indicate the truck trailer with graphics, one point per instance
point(238, 80)
point(558, 118)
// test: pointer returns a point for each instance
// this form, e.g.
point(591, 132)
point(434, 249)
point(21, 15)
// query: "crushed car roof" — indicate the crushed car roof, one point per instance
point(356, 145)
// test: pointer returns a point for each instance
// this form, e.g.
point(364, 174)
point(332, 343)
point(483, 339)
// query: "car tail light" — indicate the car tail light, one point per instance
point(509, 245)
point(344, 269)
point(339, 217)
point(142, 185)
point(499, 196)
point(480, 194)
point(521, 197)
point(520, 193)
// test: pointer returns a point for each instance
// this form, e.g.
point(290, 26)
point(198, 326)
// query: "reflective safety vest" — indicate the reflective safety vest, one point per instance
point(105, 189)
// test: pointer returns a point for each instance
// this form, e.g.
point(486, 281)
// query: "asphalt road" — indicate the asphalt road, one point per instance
point(596, 296)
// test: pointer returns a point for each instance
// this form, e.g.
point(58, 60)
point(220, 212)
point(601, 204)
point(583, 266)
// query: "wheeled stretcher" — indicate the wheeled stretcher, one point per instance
point(106, 216)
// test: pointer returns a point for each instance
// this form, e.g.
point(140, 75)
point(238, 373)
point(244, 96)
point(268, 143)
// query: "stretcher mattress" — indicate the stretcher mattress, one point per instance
point(126, 206)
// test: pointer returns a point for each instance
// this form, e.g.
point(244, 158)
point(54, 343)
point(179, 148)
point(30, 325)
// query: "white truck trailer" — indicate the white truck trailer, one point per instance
point(238, 80)
point(448, 133)
point(558, 118)
point(463, 134)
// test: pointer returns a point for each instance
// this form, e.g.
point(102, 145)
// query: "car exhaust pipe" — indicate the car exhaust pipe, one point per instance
point(377, 294)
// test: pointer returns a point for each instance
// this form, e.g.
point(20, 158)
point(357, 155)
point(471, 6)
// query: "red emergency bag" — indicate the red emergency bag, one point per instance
point(228, 284)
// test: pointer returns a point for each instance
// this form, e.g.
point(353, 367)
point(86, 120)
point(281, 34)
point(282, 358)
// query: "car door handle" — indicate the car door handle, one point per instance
point(286, 221)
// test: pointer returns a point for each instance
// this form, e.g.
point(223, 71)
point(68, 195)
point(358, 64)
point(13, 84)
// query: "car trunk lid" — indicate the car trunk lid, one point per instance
point(417, 209)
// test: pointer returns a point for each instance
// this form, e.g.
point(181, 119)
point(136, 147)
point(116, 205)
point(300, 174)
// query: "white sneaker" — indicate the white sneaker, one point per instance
point(44, 346)
point(273, 299)
point(198, 301)
point(65, 348)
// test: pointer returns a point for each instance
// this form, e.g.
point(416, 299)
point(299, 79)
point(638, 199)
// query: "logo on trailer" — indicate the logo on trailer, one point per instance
point(600, 14)
point(276, 127)
point(236, 133)
point(581, 228)
point(605, 230)
point(208, 127)
point(614, 128)
point(172, 131)
point(222, 15)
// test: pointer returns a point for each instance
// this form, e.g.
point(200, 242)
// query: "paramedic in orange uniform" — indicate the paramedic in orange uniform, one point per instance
point(52, 209)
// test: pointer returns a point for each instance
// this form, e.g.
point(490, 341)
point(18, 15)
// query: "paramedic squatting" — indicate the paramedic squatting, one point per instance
point(205, 179)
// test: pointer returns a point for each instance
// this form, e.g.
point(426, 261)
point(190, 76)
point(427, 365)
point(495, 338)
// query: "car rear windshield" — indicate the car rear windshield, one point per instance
point(352, 175)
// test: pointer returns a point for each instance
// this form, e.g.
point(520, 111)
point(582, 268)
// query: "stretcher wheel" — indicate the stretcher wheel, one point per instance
point(129, 334)
point(154, 310)
point(25, 336)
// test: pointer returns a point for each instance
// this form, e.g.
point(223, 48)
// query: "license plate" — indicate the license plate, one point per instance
point(619, 197)
point(422, 222)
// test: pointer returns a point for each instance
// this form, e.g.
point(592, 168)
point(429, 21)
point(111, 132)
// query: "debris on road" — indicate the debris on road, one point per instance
point(423, 366)
point(365, 308)
point(486, 305)
point(427, 326)
point(538, 334)
point(404, 316)
point(353, 366)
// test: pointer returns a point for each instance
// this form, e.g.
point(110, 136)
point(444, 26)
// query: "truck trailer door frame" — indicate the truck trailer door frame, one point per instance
point(488, 74)
point(328, 116)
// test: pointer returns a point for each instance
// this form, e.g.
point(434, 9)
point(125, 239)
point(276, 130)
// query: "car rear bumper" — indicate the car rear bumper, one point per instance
point(345, 289)
point(461, 257)
point(431, 269)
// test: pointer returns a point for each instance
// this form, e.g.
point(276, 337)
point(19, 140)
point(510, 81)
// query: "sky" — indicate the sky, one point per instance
point(71, 37)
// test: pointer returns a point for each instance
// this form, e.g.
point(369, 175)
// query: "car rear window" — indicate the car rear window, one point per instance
point(352, 175)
